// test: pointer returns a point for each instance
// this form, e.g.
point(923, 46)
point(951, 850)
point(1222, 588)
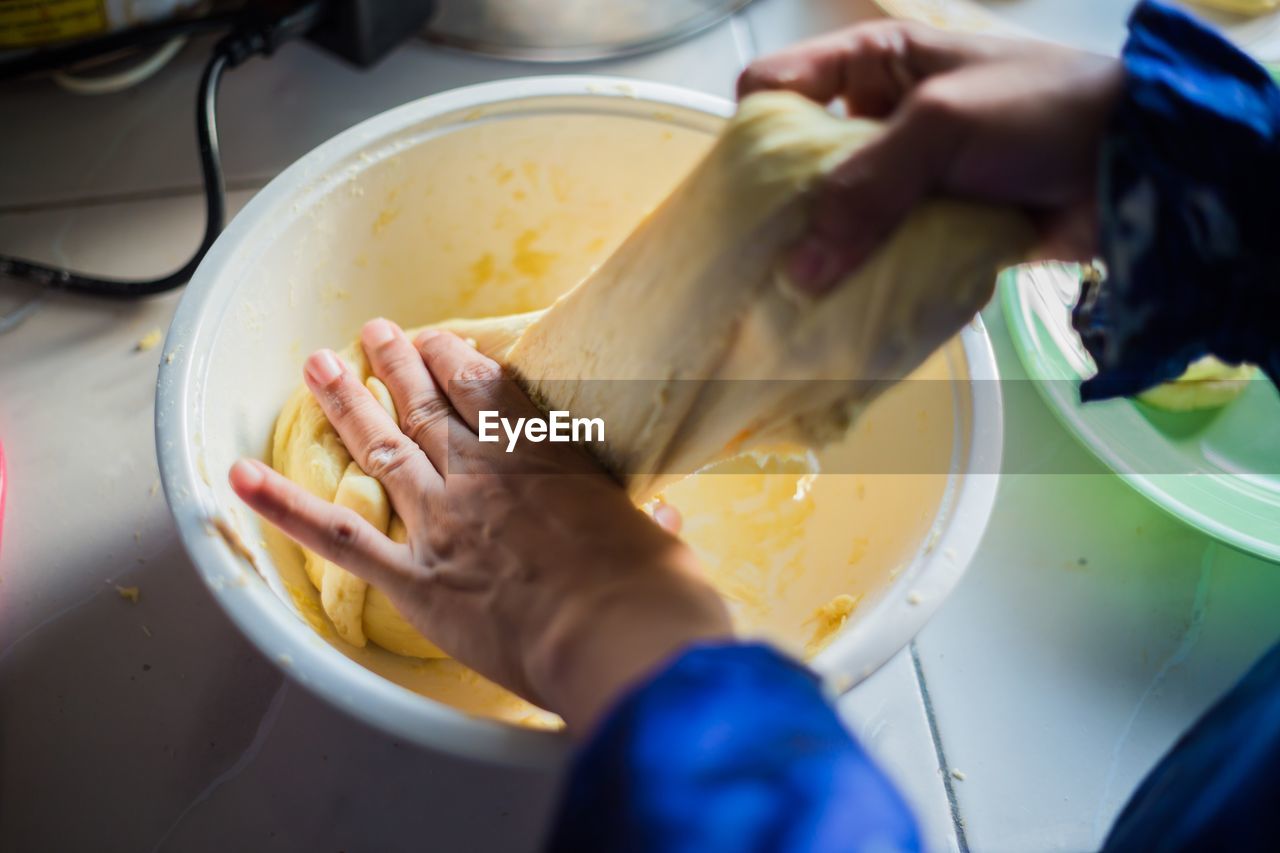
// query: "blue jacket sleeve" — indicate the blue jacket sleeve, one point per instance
point(1189, 208)
point(1216, 789)
point(730, 748)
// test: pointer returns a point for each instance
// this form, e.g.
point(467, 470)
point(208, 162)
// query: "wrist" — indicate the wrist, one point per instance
point(603, 641)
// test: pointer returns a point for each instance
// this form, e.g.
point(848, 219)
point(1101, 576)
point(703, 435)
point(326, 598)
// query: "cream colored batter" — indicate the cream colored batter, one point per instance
point(691, 296)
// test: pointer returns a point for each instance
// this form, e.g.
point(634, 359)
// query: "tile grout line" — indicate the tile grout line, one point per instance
point(744, 38)
point(939, 752)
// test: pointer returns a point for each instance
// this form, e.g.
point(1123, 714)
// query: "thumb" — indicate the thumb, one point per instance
point(867, 197)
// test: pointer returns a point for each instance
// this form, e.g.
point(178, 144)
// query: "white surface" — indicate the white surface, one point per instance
point(1054, 685)
point(1057, 685)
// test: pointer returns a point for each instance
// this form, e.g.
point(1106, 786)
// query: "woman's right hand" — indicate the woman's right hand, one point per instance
point(532, 567)
point(1014, 122)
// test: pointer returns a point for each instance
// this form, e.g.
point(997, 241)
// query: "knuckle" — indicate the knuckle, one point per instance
point(423, 415)
point(478, 373)
point(344, 535)
point(386, 456)
point(477, 382)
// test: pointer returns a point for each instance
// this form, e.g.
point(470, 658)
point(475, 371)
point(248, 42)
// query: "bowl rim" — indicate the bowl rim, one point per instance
point(291, 644)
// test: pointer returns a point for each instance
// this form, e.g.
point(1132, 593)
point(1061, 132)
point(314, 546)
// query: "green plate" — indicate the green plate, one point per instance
point(1218, 471)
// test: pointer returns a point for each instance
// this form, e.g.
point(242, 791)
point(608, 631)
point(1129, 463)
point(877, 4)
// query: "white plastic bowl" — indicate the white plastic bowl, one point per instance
point(233, 354)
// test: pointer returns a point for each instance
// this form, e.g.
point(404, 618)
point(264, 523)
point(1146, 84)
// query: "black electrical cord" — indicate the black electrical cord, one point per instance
point(55, 278)
point(247, 41)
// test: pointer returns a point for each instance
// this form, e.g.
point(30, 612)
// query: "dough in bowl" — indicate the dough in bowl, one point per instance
point(687, 341)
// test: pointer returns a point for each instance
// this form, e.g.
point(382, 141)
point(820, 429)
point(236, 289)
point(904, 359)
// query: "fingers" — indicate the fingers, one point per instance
point(872, 66)
point(471, 380)
point(375, 442)
point(421, 407)
point(337, 534)
point(864, 199)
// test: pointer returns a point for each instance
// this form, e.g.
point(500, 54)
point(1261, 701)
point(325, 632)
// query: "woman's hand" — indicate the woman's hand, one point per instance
point(531, 567)
point(1016, 122)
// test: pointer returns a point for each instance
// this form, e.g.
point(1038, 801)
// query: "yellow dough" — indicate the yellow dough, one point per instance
point(682, 319)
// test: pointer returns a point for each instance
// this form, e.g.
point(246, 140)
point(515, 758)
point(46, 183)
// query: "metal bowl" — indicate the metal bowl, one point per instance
point(571, 30)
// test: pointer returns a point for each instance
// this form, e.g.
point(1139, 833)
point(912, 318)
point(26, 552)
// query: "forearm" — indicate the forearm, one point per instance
point(603, 642)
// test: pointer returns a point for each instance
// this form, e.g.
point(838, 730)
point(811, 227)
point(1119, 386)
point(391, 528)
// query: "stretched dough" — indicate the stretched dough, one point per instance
point(687, 341)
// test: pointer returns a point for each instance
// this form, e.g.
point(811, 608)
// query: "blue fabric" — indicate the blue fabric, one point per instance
point(1217, 789)
point(730, 748)
point(1190, 205)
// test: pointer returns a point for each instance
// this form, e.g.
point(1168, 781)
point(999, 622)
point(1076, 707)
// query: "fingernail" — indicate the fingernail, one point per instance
point(426, 335)
point(246, 474)
point(668, 518)
point(812, 266)
point(323, 367)
point(378, 332)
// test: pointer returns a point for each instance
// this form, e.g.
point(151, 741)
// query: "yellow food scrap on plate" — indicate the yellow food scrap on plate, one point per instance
point(150, 340)
point(130, 594)
point(829, 619)
point(1207, 384)
point(1240, 7)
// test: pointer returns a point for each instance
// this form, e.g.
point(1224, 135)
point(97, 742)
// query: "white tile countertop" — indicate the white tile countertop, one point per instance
point(1091, 629)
